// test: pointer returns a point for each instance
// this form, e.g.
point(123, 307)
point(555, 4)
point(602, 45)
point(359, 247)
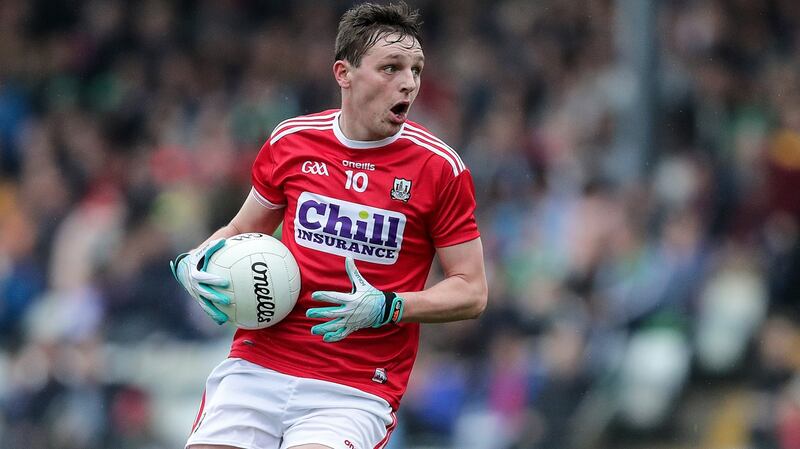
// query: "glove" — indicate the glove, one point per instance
point(190, 271)
point(364, 306)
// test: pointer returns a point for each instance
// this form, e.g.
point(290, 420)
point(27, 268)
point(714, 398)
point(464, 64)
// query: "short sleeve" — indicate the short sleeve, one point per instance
point(454, 219)
point(267, 188)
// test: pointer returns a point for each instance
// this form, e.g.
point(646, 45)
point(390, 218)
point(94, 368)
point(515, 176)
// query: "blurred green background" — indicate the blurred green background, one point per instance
point(637, 166)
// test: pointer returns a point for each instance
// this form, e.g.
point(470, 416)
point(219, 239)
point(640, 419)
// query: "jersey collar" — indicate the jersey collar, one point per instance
point(361, 144)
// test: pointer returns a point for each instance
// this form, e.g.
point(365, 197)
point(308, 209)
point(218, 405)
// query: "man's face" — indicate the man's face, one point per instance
point(385, 84)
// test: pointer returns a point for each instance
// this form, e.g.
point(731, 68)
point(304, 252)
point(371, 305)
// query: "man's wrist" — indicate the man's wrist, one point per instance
point(392, 308)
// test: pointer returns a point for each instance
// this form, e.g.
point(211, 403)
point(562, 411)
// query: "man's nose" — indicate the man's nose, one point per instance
point(407, 81)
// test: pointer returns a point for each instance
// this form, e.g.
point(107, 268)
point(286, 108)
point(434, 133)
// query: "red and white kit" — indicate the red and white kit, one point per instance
point(388, 204)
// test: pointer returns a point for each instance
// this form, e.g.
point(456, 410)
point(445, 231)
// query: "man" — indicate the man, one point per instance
point(363, 184)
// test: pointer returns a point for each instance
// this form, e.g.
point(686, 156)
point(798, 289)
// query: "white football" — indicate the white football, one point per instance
point(264, 279)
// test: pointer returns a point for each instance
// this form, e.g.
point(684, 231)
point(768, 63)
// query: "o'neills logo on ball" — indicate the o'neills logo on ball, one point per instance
point(348, 229)
point(265, 303)
point(246, 236)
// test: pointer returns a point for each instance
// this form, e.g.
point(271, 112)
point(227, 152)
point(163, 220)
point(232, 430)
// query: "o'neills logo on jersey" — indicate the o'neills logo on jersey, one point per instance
point(348, 229)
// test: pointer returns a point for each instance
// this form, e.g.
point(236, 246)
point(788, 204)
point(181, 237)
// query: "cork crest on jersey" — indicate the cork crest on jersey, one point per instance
point(344, 228)
point(401, 190)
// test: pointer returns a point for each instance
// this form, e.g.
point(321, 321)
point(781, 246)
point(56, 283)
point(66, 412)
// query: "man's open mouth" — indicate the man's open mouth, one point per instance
point(400, 109)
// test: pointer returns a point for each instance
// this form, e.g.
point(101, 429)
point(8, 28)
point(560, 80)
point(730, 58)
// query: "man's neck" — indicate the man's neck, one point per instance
point(350, 127)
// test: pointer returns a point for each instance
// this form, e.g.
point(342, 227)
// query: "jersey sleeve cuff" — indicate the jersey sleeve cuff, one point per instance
point(262, 200)
point(456, 240)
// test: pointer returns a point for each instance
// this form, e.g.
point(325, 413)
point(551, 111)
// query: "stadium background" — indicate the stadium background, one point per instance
point(637, 166)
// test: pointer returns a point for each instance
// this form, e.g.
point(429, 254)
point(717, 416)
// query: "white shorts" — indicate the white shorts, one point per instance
point(251, 407)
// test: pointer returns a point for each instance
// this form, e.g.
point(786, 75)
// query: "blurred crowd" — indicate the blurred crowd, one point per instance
point(652, 304)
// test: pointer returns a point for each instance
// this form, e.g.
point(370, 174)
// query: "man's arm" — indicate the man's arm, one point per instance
point(461, 295)
point(252, 217)
point(190, 268)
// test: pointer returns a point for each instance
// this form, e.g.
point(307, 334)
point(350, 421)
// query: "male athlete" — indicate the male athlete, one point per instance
point(367, 198)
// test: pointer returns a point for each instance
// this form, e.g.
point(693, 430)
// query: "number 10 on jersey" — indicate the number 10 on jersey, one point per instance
point(356, 181)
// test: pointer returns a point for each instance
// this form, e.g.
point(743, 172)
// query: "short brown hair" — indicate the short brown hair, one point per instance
point(362, 25)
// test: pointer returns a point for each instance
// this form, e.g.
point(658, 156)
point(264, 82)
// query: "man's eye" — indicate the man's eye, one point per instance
point(416, 70)
point(390, 69)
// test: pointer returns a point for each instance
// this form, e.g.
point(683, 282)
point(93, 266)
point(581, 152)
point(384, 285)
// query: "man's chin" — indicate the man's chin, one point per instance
point(386, 128)
point(393, 128)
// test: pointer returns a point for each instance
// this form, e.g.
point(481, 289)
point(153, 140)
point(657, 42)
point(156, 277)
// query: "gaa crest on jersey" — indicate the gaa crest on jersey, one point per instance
point(401, 190)
point(343, 228)
point(314, 168)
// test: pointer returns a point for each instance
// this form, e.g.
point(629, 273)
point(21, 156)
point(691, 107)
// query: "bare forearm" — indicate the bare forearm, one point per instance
point(454, 298)
point(229, 230)
point(252, 217)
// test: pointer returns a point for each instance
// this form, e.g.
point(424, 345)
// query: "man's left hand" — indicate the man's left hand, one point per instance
point(365, 306)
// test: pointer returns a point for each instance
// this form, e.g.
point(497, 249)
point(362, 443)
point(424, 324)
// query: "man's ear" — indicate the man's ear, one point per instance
point(341, 72)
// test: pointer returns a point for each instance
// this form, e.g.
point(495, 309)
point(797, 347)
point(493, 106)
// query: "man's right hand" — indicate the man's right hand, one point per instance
point(190, 271)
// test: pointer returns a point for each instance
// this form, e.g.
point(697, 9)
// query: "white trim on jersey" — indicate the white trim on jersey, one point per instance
point(456, 168)
point(361, 144)
point(294, 129)
point(263, 201)
point(331, 121)
point(430, 138)
point(303, 120)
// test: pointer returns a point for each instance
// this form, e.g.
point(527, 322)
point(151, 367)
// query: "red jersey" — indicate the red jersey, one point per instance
point(389, 204)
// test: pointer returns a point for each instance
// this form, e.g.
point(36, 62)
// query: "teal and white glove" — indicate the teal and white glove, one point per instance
point(190, 271)
point(364, 306)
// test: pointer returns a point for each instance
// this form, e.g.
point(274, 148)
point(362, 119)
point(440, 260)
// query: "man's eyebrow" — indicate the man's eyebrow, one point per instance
point(415, 58)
